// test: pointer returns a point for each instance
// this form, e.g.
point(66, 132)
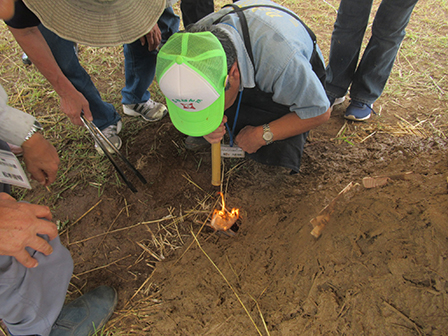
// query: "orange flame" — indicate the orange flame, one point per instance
point(223, 219)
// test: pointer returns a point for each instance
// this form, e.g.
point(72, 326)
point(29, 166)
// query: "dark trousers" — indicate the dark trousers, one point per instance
point(257, 108)
point(194, 10)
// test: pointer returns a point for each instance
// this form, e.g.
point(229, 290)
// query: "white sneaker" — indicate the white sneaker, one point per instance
point(337, 101)
point(150, 111)
point(111, 133)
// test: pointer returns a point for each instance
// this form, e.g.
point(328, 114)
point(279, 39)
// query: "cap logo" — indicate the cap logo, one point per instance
point(188, 106)
point(187, 89)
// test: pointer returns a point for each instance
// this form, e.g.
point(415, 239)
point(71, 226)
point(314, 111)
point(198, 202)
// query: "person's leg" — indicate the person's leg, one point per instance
point(31, 298)
point(139, 73)
point(388, 31)
point(103, 113)
point(140, 63)
point(194, 10)
point(346, 40)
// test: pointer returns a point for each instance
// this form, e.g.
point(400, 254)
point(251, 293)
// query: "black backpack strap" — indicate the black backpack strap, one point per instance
point(315, 61)
point(242, 17)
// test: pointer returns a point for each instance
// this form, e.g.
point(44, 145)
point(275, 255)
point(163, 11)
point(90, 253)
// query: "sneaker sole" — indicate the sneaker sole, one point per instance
point(132, 113)
point(110, 150)
point(353, 118)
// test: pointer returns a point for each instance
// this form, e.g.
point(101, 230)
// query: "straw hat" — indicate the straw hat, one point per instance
point(98, 23)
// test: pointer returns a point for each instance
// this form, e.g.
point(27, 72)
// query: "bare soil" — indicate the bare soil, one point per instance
point(380, 266)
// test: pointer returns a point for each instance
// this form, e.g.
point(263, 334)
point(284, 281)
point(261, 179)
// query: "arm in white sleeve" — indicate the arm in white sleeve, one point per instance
point(15, 125)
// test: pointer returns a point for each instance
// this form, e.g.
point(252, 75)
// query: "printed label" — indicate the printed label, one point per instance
point(11, 171)
point(231, 152)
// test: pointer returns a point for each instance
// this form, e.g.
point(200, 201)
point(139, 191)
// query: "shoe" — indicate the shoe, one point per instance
point(87, 314)
point(150, 111)
point(111, 133)
point(196, 143)
point(358, 111)
point(25, 59)
point(336, 101)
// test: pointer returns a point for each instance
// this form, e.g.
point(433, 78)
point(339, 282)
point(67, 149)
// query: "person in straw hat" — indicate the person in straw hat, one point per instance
point(254, 68)
point(35, 268)
point(46, 31)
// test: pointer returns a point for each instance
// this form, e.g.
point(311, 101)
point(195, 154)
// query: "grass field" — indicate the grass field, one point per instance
point(415, 98)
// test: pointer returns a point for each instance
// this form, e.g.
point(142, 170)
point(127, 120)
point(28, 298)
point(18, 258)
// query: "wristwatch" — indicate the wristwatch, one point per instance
point(268, 136)
point(34, 128)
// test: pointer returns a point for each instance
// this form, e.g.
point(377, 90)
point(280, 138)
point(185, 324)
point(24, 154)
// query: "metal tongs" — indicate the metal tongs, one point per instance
point(99, 137)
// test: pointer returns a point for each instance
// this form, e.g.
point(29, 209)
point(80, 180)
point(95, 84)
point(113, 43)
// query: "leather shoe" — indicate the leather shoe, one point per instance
point(86, 314)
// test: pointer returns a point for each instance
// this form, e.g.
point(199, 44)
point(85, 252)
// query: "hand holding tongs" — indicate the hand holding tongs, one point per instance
point(99, 137)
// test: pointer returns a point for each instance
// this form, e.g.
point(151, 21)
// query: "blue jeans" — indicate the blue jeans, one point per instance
point(369, 77)
point(103, 113)
point(140, 63)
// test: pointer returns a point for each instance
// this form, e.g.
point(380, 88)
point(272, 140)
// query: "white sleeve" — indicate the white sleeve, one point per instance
point(14, 124)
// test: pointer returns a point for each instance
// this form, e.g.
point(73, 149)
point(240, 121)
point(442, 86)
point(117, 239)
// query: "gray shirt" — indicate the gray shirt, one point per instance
point(282, 48)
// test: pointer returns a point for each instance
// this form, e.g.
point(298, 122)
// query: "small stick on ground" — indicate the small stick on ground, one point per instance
point(403, 316)
point(104, 266)
point(108, 230)
point(85, 214)
point(227, 281)
point(323, 218)
point(261, 316)
point(138, 290)
point(118, 230)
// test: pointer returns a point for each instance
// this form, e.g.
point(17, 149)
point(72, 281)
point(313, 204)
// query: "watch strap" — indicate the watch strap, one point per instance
point(35, 127)
point(267, 130)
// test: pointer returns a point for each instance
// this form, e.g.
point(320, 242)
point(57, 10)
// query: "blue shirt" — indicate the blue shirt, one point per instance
point(282, 49)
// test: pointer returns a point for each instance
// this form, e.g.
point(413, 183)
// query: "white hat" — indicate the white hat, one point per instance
point(98, 23)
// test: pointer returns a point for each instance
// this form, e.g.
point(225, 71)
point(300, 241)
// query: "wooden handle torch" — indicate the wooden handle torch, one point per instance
point(216, 164)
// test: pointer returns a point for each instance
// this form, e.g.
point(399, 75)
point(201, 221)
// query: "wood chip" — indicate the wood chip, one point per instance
point(379, 181)
point(320, 221)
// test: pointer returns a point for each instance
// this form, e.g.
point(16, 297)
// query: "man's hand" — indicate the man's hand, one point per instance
point(153, 38)
point(37, 49)
point(217, 134)
point(41, 159)
point(250, 139)
point(72, 104)
point(19, 225)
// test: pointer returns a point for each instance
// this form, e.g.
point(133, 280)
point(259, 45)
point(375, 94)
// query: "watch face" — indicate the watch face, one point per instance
point(267, 136)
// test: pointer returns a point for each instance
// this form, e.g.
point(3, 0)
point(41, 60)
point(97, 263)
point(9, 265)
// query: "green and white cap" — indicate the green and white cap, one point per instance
point(191, 72)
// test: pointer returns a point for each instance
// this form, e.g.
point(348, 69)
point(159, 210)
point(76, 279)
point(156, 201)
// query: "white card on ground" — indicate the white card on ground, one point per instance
point(231, 152)
point(11, 171)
